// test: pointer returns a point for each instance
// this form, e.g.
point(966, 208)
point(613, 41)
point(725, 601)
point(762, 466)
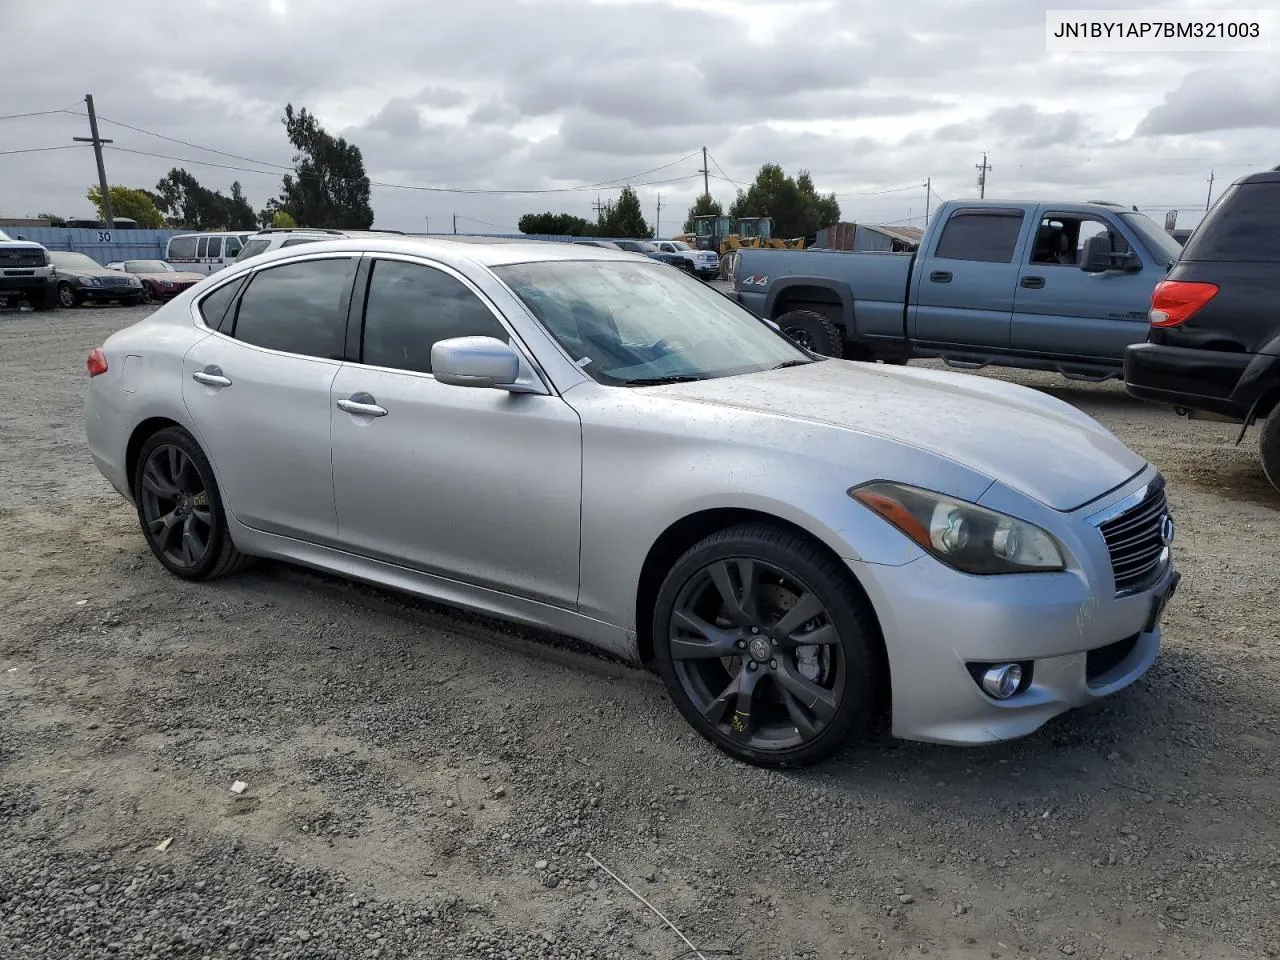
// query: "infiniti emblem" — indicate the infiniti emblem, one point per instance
point(1167, 530)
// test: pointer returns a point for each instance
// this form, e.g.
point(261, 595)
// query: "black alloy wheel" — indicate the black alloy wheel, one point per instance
point(66, 296)
point(766, 647)
point(180, 508)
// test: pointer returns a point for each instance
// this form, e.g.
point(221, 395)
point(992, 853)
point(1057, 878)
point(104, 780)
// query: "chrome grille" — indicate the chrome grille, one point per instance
point(22, 257)
point(113, 281)
point(1136, 541)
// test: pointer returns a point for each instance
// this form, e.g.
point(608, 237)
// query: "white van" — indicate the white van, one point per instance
point(205, 252)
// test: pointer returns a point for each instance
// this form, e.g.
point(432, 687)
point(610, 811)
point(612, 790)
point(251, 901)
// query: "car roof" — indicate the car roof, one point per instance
point(486, 251)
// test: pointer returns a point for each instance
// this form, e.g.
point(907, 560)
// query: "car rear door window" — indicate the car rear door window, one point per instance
point(298, 308)
point(411, 307)
point(215, 246)
point(1241, 227)
point(980, 236)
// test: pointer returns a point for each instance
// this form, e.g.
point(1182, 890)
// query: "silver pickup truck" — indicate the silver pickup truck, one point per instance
point(1048, 286)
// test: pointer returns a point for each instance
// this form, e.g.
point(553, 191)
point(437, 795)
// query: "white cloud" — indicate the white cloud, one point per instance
point(502, 94)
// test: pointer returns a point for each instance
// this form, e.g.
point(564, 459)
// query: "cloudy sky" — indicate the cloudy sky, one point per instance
point(500, 95)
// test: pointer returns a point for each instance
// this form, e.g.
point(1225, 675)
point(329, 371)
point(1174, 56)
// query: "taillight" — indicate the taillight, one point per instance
point(1174, 301)
point(97, 362)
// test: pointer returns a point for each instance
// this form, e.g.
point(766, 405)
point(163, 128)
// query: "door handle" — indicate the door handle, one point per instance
point(940, 276)
point(211, 377)
point(1032, 283)
point(362, 405)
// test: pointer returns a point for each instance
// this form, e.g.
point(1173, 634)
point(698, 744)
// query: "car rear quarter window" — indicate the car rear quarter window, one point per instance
point(253, 248)
point(295, 241)
point(1241, 227)
point(982, 236)
point(213, 308)
point(298, 308)
point(410, 307)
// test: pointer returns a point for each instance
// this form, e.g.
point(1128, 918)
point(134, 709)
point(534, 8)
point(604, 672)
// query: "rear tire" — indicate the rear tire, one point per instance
point(804, 698)
point(180, 508)
point(1269, 446)
point(812, 331)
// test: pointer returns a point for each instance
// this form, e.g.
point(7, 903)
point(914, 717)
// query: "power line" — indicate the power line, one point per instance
point(418, 187)
point(64, 146)
point(723, 175)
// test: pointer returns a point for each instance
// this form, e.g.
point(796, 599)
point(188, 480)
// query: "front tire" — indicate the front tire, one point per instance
point(66, 296)
point(46, 299)
point(180, 508)
point(766, 646)
point(812, 331)
point(1269, 446)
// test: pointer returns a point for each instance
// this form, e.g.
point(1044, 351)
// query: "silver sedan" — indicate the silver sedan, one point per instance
point(584, 440)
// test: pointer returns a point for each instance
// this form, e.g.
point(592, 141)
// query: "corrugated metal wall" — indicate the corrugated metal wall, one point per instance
point(104, 246)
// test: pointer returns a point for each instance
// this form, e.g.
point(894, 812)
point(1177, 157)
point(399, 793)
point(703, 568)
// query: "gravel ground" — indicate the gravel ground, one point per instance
point(425, 784)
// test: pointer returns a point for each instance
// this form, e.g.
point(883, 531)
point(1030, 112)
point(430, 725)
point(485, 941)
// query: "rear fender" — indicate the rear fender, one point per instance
point(785, 285)
point(1260, 379)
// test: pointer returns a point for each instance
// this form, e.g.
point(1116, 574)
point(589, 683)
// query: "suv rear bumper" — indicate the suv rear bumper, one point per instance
point(1186, 377)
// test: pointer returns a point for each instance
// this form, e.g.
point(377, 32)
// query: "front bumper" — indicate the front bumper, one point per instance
point(1079, 640)
point(16, 282)
point(108, 294)
point(1187, 377)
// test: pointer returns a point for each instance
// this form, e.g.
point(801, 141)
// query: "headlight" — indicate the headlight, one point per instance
point(166, 283)
point(88, 281)
point(963, 535)
point(135, 282)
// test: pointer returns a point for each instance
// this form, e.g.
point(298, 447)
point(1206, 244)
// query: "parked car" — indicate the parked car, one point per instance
point(1213, 350)
point(1042, 286)
point(27, 273)
point(591, 443)
point(82, 280)
point(205, 253)
point(275, 238)
point(645, 248)
point(160, 281)
point(705, 263)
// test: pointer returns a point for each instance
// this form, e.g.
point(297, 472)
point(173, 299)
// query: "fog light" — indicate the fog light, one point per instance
point(1003, 681)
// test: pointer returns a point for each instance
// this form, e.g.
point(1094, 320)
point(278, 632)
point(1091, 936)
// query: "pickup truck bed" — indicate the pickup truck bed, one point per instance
point(1053, 286)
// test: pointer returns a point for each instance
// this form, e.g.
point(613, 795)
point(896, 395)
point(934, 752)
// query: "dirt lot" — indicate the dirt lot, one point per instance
point(422, 784)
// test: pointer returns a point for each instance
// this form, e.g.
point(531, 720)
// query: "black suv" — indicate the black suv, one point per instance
point(1214, 345)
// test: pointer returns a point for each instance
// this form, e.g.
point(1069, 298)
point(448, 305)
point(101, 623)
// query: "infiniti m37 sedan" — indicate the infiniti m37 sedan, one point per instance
point(584, 440)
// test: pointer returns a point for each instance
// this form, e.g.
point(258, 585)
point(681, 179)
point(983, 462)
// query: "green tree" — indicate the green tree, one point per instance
point(623, 217)
point(128, 202)
point(240, 215)
point(794, 204)
point(53, 218)
point(556, 224)
point(328, 187)
point(281, 219)
point(702, 207)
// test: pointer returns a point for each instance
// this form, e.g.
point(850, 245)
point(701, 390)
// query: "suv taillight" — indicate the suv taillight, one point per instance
point(1174, 301)
point(97, 362)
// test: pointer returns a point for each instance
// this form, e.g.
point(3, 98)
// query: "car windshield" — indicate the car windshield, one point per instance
point(679, 244)
point(72, 261)
point(147, 266)
point(636, 324)
point(1158, 241)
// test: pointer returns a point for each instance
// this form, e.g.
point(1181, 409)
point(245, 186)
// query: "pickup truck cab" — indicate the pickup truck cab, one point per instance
point(27, 273)
point(1047, 286)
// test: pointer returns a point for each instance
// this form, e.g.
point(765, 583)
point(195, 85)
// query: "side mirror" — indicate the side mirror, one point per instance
point(1098, 257)
point(483, 362)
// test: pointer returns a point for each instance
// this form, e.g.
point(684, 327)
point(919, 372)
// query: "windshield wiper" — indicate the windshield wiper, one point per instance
point(658, 381)
point(793, 363)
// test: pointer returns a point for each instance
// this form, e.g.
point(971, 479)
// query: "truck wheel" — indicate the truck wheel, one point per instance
point(1269, 446)
point(812, 331)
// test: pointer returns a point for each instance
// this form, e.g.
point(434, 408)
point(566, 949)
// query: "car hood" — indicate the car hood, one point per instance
point(1022, 438)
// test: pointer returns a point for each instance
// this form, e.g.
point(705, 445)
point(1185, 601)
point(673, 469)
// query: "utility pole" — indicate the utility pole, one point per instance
point(1210, 197)
point(455, 223)
point(657, 220)
point(982, 169)
point(928, 192)
point(97, 142)
point(706, 182)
